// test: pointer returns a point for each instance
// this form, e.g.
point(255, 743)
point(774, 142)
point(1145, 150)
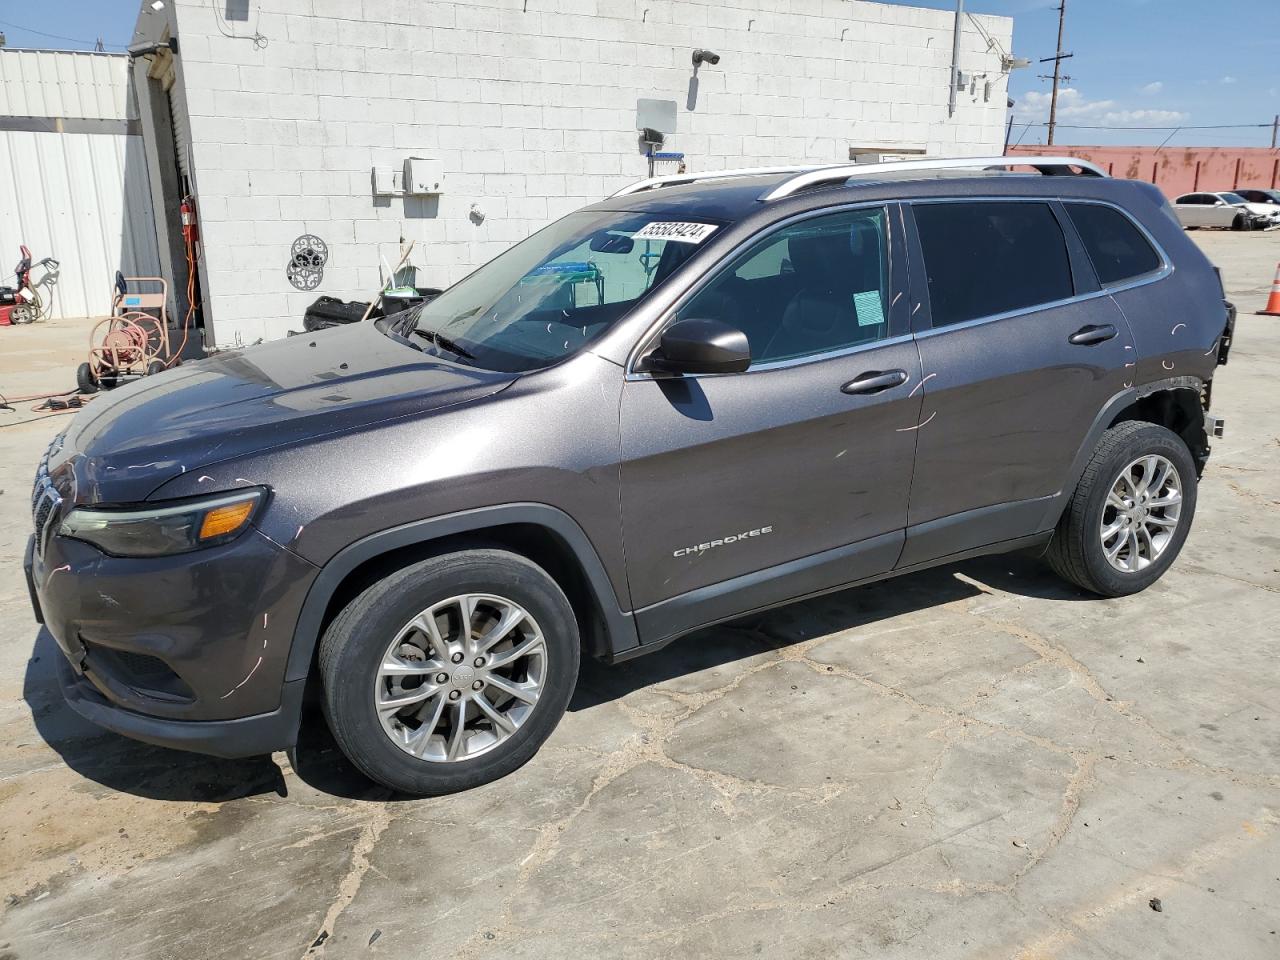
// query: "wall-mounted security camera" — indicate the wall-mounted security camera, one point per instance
point(148, 49)
point(701, 56)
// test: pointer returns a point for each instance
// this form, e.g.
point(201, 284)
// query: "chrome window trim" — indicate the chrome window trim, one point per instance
point(1165, 270)
point(644, 342)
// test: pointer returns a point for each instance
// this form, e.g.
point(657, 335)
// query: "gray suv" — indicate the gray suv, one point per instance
point(704, 396)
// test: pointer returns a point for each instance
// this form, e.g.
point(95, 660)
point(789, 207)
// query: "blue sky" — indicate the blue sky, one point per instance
point(1157, 63)
point(1146, 63)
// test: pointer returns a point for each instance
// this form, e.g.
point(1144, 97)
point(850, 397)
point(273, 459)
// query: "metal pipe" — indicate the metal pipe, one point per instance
point(955, 59)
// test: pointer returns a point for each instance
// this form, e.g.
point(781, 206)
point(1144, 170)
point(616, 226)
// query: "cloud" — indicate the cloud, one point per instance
point(1144, 118)
point(1155, 86)
point(1075, 108)
point(1227, 80)
point(1071, 103)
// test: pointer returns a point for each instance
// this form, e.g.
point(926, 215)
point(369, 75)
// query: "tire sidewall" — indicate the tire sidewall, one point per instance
point(1151, 440)
point(395, 603)
point(85, 379)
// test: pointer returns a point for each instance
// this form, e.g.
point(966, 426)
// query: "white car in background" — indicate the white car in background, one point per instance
point(1224, 210)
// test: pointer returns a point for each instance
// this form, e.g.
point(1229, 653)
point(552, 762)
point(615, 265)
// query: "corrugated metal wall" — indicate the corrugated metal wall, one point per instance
point(80, 197)
point(64, 83)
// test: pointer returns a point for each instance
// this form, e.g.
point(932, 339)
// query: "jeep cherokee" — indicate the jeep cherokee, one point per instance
point(707, 395)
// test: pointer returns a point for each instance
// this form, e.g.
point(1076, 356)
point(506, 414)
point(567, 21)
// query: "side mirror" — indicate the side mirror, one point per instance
point(701, 346)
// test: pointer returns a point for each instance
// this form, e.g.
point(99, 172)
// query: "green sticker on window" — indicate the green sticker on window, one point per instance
point(869, 308)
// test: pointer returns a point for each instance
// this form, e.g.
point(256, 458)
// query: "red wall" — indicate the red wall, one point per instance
point(1179, 170)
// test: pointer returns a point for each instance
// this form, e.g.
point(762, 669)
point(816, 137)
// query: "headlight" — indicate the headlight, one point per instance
point(162, 530)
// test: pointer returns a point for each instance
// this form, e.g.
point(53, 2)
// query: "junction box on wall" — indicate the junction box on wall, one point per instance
point(419, 176)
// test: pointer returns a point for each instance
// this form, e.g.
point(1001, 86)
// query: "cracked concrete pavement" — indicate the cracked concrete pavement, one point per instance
point(972, 762)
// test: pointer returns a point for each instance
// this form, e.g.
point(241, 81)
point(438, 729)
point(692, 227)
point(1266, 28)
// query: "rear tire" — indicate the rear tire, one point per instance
point(1112, 495)
point(373, 654)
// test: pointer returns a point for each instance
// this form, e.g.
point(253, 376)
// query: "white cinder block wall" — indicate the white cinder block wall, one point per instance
point(531, 105)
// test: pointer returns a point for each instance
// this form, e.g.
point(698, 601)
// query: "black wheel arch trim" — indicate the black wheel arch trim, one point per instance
point(619, 625)
point(1125, 398)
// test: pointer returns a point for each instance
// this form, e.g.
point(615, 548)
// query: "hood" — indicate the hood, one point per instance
point(128, 442)
point(1263, 209)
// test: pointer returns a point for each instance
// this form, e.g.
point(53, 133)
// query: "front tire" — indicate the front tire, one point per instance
point(1130, 513)
point(451, 672)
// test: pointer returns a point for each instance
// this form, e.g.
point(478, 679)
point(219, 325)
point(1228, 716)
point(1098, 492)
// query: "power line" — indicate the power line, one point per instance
point(55, 36)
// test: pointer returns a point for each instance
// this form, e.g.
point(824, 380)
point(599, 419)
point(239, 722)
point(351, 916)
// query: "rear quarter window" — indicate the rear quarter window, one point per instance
point(1117, 248)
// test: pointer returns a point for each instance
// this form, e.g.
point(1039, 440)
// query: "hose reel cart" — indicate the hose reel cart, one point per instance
point(134, 340)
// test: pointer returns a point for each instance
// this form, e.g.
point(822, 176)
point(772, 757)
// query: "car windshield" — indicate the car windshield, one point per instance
point(549, 296)
point(1233, 198)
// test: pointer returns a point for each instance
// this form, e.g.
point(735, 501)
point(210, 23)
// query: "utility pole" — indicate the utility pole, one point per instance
point(1275, 129)
point(1057, 67)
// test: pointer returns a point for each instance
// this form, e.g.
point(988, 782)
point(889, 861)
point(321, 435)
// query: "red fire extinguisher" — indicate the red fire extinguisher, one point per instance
point(188, 211)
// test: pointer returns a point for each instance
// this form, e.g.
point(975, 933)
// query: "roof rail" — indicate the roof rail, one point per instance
point(1049, 166)
point(807, 175)
point(652, 183)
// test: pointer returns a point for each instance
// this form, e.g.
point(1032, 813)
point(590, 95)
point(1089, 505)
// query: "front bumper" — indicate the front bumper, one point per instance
point(187, 651)
point(242, 737)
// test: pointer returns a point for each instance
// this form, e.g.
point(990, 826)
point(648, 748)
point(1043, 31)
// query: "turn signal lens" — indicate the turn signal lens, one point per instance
point(220, 521)
point(160, 530)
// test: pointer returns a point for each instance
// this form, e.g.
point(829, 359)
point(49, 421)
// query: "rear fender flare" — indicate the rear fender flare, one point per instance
point(1109, 411)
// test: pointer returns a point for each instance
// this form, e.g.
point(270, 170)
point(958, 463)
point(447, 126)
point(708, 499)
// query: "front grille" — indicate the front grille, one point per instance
point(43, 509)
point(45, 499)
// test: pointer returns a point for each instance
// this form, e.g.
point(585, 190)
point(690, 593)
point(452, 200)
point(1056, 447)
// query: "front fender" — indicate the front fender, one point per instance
point(619, 624)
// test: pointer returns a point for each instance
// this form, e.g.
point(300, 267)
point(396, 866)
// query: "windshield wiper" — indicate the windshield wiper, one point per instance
point(440, 340)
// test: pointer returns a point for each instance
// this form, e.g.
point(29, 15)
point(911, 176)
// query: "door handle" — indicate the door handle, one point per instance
point(1092, 334)
point(873, 381)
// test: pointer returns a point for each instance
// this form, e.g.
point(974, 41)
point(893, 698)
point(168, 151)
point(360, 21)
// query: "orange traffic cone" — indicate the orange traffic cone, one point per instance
point(1272, 309)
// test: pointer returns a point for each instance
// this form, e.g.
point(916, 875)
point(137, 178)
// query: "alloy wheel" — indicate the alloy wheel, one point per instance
point(1141, 514)
point(460, 678)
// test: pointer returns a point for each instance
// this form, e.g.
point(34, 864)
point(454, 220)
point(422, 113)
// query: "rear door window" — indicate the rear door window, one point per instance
point(989, 257)
point(1115, 245)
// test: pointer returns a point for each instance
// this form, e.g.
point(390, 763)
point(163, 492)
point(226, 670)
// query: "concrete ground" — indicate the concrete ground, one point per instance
point(973, 762)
